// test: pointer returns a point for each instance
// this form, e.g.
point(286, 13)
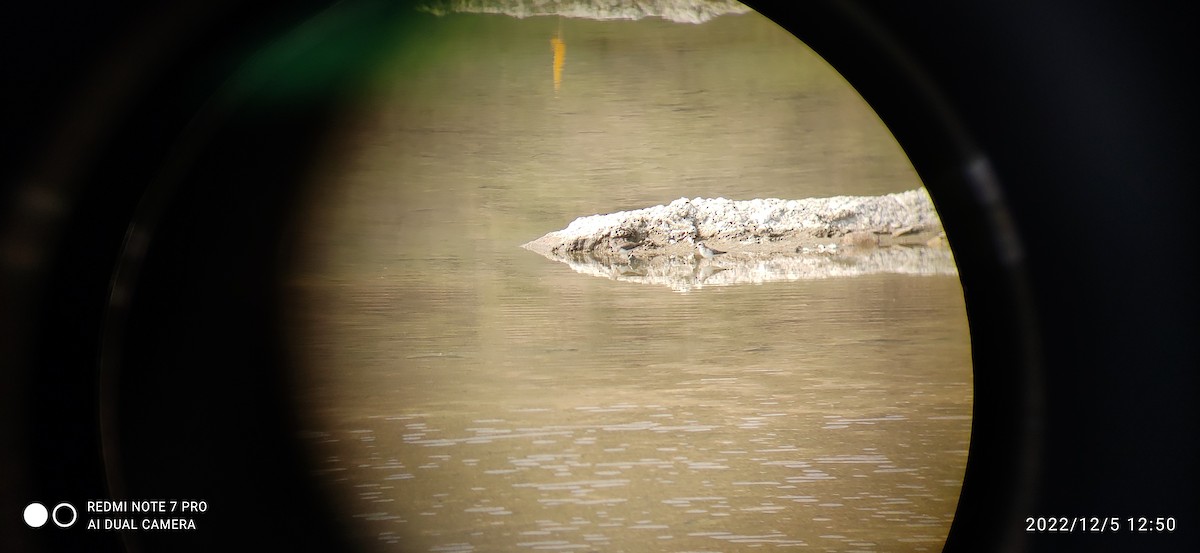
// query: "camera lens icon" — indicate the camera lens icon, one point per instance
point(64, 515)
point(36, 515)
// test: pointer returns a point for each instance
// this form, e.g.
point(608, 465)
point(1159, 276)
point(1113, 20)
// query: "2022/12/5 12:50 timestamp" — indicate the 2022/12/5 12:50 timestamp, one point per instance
point(1100, 524)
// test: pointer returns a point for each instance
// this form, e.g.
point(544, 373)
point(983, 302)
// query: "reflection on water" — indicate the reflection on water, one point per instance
point(461, 394)
point(686, 273)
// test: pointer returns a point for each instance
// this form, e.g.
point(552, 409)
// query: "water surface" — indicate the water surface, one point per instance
point(463, 394)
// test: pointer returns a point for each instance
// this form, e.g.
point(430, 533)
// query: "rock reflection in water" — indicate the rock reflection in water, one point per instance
point(683, 274)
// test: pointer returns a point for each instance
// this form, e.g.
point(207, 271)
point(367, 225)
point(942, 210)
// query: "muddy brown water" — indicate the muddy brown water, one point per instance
point(460, 393)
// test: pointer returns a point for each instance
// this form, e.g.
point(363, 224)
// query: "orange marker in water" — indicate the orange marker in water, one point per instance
point(560, 54)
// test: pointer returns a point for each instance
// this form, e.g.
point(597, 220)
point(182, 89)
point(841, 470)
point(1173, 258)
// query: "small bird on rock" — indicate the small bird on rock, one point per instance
point(705, 251)
point(624, 246)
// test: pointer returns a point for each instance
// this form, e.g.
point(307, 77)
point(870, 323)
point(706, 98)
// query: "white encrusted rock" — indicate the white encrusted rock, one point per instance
point(759, 225)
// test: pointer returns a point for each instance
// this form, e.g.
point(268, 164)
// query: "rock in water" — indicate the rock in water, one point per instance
point(753, 226)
